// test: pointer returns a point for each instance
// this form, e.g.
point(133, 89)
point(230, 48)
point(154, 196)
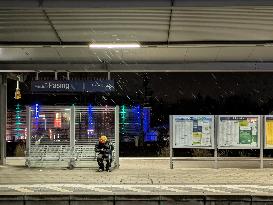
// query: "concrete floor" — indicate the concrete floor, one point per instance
point(141, 176)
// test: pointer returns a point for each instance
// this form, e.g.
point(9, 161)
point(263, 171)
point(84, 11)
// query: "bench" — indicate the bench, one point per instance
point(46, 155)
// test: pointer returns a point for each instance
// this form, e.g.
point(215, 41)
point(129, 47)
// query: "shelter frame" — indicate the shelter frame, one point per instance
point(72, 148)
point(172, 137)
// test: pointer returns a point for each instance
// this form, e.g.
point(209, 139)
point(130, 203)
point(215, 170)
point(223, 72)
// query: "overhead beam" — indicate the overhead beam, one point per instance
point(25, 44)
point(170, 22)
point(52, 26)
point(182, 67)
point(83, 4)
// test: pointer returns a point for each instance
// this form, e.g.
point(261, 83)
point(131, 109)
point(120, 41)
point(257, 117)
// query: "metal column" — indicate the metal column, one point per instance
point(117, 136)
point(216, 119)
point(72, 126)
point(28, 122)
point(71, 163)
point(262, 137)
point(171, 141)
point(3, 117)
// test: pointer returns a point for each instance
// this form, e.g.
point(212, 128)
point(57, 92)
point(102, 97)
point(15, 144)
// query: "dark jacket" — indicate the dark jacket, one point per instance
point(104, 148)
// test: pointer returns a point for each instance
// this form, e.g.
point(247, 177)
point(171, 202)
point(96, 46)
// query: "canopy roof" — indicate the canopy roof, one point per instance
point(176, 35)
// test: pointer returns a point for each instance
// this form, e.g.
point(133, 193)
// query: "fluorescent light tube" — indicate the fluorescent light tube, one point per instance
point(114, 45)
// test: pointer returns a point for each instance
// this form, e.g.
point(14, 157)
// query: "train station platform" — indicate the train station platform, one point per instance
point(138, 180)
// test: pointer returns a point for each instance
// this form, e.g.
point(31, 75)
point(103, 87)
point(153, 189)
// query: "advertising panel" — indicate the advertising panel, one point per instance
point(268, 131)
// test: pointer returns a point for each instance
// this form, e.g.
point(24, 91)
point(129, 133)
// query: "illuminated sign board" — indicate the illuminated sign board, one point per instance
point(73, 86)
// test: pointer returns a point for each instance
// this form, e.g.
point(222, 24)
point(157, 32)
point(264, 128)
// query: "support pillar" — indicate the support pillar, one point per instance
point(72, 126)
point(171, 141)
point(262, 139)
point(117, 136)
point(3, 117)
point(72, 163)
point(108, 75)
point(216, 122)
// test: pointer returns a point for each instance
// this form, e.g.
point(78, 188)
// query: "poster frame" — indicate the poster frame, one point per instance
point(265, 137)
point(239, 147)
point(212, 146)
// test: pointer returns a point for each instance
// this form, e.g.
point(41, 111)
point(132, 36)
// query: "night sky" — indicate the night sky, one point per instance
point(167, 93)
point(176, 86)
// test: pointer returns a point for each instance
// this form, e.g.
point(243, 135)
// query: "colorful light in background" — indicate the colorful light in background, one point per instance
point(135, 120)
point(137, 114)
point(149, 134)
point(146, 120)
point(123, 118)
point(43, 117)
point(37, 110)
point(36, 115)
point(50, 134)
point(58, 120)
point(90, 130)
point(25, 133)
point(18, 123)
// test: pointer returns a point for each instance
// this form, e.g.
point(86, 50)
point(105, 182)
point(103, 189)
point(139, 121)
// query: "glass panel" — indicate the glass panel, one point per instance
point(50, 125)
point(92, 122)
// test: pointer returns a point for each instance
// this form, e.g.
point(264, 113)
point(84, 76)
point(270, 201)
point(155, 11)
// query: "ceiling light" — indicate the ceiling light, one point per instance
point(114, 45)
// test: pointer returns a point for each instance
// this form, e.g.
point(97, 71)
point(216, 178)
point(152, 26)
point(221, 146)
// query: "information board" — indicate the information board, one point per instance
point(193, 131)
point(268, 131)
point(238, 132)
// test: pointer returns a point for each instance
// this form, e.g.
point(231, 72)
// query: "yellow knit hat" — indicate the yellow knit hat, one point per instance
point(103, 139)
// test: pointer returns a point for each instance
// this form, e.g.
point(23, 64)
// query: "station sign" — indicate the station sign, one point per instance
point(72, 86)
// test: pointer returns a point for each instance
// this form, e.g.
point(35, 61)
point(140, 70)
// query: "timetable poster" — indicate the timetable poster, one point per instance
point(193, 131)
point(238, 131)
point(269, 131)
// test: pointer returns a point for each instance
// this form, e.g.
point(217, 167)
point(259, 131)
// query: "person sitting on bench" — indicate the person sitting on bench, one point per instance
point(104, 148)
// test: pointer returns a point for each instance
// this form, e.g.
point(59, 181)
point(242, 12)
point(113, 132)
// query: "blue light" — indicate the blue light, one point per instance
point(146, 120)
point(90, 130)
point(36, 116)
point(151, 136)
point(136, 113)
point(37, 110)
point(138, 110)
point(135, 119)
